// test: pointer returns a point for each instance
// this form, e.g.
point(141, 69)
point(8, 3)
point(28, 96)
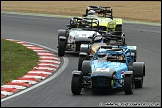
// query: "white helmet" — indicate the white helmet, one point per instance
point(102, 53)
point(91, 12)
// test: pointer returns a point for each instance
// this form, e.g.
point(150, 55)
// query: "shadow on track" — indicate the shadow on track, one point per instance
point(100, 92)
point(72, 54)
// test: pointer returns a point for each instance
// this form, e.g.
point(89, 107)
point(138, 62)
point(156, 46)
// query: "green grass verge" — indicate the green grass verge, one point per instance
point(16, 60)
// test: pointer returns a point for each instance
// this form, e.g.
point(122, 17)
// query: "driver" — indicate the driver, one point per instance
point(98, 39)
point(102, 54)
point(74, 23)
point(92, 13)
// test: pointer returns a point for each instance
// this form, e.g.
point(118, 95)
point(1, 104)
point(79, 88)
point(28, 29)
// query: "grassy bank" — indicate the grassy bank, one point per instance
point(16, 60)
point(146, 11)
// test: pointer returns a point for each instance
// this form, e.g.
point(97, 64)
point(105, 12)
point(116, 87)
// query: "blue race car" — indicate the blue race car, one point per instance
point(109, 68)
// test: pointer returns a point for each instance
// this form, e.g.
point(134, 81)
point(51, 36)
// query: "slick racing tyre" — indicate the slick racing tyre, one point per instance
point(139, 72)
point(76, 84)
point(135, 55)
point(129, 84)
point(85, 49)
point(61, 32)
point(80, 61)
point(61, 48)
point(86, 69)
point(118, 28)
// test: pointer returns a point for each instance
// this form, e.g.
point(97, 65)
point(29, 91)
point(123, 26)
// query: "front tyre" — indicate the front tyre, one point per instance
point(129, 84)
point(76, 85)
point(61, 48)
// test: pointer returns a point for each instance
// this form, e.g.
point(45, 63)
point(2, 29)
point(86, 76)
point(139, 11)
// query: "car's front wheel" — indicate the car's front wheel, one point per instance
point(76, 84)
point(129, 84)
point(61, 48)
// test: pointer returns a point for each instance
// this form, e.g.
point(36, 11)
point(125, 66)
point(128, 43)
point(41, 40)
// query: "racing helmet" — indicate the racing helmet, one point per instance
point(73, 23)
point(98, 39)
point(102, 53)
point(91, 12)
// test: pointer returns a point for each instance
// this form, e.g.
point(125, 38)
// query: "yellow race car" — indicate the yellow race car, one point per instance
point(106, 20)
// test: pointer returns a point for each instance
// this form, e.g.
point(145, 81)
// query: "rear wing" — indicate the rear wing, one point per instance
point(106, 12)
point(90, 23)
point(94, 8)
point(117, 48)
point(120, 51)
point(102, 10)
point(115, 34)
point(130, 47)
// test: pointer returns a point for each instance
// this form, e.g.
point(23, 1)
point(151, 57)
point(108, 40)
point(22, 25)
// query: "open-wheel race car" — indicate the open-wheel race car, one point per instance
point(109, 69)
point(105, 16)
point(114, 38)
point(78, 32)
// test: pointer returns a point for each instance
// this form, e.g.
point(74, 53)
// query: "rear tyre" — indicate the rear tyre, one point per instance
point(139, 72)
point(81, 59)
point(139, 83)
point(135, 55)
point(76, 85)
point(86, 69)
point(61, 48)
point(129, 84)
point(118, 28)
point(85, 49)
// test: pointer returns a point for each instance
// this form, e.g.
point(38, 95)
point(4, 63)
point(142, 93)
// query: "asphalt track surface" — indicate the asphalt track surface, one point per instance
point(57, 92)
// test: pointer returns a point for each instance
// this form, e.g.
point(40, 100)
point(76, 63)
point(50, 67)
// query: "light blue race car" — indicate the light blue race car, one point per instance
point(109, 68)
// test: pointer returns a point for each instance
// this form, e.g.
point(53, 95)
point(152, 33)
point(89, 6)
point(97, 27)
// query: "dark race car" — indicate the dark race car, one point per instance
point(113, 38)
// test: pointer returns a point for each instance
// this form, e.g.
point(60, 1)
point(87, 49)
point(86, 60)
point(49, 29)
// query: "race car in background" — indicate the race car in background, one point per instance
point(113, 38)
point(109, 69)
point(78, 32)
point(105, 16)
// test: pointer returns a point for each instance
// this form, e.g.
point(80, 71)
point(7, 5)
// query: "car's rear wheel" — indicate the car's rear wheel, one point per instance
point(139, 72)
point(81, 59)
point(139, 83)
point(135, 55)
point(86, 69)
point(85, 49)
point(118, 28)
